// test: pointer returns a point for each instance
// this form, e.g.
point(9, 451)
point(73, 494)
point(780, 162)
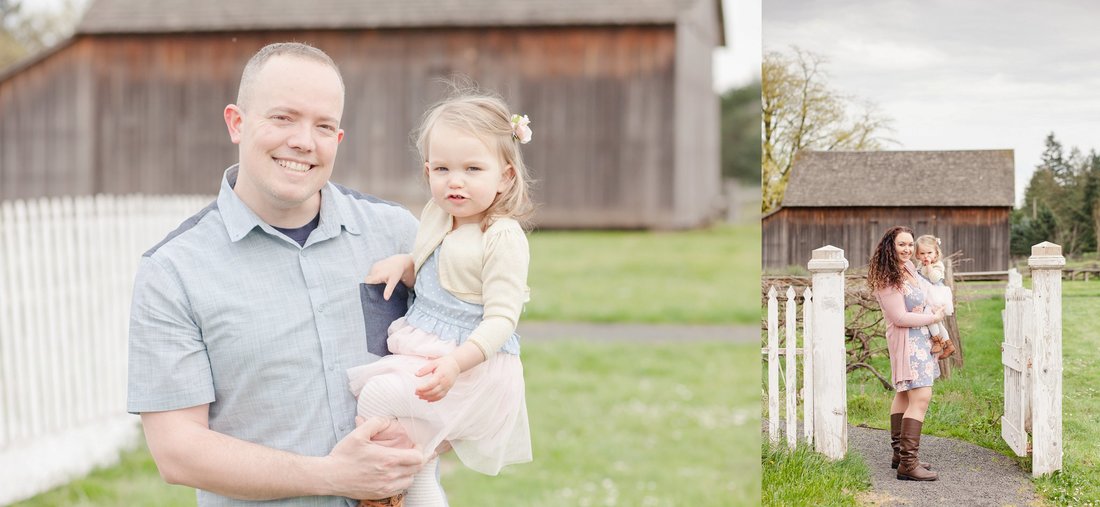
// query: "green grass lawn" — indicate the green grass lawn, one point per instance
point(686, 277)
point(612, 423)
point(805, 477)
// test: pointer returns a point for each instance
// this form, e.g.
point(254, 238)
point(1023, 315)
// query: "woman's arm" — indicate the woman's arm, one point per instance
point(892, 302)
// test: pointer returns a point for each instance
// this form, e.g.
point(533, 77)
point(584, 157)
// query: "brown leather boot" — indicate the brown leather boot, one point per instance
point(909, 469)
point(937, 346)
point(948, 349)
point(397, 500)
point(895, 437)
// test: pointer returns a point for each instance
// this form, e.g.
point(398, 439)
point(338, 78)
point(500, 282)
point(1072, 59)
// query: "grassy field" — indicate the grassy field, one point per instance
point(804, 477)
point(969, 405)
point(685, 277)
point(612, 423)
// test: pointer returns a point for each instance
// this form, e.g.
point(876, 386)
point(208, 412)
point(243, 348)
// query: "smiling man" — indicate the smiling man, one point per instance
point(246, 317)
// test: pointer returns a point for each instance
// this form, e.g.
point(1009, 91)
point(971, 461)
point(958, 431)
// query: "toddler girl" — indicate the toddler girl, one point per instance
point(939, 295)
point(454, 375)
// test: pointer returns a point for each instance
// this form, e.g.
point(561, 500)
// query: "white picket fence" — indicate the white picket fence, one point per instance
point(824, 391)
point(66, 275)
point(1032, 358)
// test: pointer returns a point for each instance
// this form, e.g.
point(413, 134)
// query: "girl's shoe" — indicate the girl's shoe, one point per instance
point(397, 500)
point(937, 346)
point(948, 349)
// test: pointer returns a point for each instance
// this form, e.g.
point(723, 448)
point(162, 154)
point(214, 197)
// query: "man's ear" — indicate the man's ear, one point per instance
point(233, 119)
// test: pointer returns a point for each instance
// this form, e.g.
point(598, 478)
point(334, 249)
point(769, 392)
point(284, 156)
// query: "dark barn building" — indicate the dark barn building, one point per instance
point(849, 199)
point(619, 93)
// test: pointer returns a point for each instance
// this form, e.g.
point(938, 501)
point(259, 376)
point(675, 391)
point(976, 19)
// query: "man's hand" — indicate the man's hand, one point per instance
point(391, 270)
point(361, 467)
point(392, 435)
point(441, 373)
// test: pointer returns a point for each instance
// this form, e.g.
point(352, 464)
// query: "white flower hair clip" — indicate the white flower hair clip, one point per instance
point(521, 131)
point(938, 242)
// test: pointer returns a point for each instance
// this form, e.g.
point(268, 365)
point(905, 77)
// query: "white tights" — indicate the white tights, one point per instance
point(380, 397)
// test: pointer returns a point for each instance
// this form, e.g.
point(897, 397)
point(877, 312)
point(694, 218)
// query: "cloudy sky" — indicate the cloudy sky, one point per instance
point(959, 75)
point(738, 63)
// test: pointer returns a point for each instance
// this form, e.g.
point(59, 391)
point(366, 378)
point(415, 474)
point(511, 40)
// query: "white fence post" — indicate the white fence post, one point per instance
point(791, 370)
point(829, 363)
point(808, 364)
point(1046, 263)
point(773, 366)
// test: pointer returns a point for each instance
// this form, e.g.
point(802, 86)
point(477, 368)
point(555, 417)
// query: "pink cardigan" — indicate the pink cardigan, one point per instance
point(898, 323)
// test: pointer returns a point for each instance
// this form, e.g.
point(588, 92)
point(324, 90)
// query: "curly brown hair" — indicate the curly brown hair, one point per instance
point(884, 269)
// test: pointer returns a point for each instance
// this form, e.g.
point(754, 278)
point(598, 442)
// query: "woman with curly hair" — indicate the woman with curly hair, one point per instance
point(901, 294)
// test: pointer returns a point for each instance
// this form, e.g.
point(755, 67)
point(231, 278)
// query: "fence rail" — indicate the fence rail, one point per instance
point(66, 274)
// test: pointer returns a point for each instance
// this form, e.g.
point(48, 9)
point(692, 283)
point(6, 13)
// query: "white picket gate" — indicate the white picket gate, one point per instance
point(790, 370)
point(1032, 357)
point(66, 275)
point(824, 392)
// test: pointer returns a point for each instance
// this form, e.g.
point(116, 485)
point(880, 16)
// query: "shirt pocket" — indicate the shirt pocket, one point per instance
point(378, 313)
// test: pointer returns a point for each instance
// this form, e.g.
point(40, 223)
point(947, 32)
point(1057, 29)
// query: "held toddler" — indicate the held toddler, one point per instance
point(931, 267)
point(454, 374)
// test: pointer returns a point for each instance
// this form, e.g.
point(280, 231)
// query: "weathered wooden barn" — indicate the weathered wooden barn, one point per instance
point(849, 199)
point(619, 93)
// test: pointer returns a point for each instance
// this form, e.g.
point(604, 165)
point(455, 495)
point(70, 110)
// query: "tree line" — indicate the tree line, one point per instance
point(1061, 202)
point(24, 32)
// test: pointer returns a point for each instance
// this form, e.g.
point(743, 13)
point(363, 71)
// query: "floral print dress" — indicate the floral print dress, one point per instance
point(925, 367)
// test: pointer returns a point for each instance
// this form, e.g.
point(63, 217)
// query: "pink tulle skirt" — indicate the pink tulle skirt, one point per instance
point(484, 416)
point(940, 295)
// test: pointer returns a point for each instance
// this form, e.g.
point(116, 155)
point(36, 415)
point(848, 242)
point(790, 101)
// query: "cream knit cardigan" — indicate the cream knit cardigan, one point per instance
point(486, 268)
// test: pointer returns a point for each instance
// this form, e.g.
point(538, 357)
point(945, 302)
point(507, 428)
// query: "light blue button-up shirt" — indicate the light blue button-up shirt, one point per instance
point(228, 311)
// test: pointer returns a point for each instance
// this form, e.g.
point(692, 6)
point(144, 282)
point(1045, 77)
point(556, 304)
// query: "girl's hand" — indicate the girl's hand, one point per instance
point(939, 314)
point(391, 270)
point(441, 373)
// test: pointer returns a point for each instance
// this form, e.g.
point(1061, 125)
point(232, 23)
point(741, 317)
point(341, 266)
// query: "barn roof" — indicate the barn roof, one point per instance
point(902, 178)
point(143, 16)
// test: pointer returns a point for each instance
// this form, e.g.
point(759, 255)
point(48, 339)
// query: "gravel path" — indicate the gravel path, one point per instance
point(969, 475)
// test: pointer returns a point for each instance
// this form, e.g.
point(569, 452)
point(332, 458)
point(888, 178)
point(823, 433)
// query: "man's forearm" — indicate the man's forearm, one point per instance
point(187, 452)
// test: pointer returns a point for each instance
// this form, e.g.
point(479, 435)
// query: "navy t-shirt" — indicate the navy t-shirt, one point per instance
point(301, 234)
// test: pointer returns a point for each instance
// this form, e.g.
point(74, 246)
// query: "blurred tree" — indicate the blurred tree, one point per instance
point(1067, 186)
point(741, 134)
point(800, 111)
point(1031, 229)
point(24, 32)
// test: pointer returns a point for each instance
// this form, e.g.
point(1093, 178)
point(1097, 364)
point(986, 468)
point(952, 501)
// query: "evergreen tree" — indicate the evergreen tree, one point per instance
point(741, 134)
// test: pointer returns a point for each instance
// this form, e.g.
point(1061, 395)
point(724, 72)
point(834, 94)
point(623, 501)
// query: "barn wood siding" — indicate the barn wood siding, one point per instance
point(696, 183)
point(791, 234)
point(43, 149)
point(143, 113)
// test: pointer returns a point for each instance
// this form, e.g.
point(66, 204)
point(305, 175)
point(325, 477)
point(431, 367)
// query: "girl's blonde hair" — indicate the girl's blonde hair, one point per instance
point(931, 242)
point(486, 117)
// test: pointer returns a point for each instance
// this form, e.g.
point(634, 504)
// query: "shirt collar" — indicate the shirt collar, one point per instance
point(240, 219)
